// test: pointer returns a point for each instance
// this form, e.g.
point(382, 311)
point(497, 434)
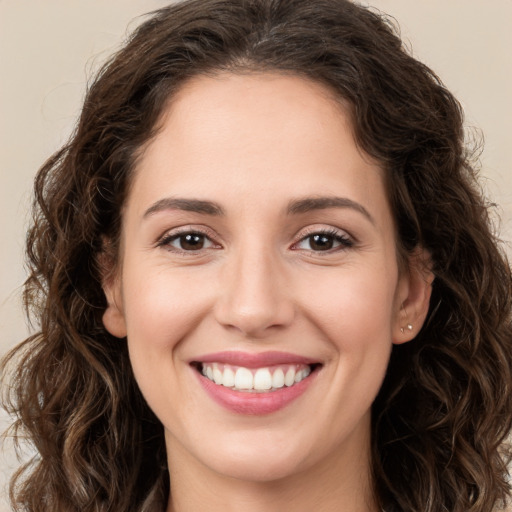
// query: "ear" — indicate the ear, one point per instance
point(113, 316)
point(413, 296)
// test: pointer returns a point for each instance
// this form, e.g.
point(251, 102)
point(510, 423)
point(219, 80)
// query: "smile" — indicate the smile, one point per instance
point(256, 380)
point(255, 384)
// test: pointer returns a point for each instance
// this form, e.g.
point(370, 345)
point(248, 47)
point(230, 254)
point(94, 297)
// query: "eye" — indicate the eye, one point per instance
point(324, 241)
point(189, 241)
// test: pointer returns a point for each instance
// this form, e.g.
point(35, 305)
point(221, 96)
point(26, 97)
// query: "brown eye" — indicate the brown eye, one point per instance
point(325, 241)
point(189, 241)
point(321, 242)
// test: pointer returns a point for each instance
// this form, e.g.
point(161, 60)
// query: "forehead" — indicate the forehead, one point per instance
point(258, 134)
point(252, 100)
point(217, 85)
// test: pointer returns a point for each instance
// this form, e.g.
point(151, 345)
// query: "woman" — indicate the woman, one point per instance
point(265, 278)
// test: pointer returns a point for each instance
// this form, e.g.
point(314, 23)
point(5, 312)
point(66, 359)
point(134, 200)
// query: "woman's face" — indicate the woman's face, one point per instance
point(258, 247)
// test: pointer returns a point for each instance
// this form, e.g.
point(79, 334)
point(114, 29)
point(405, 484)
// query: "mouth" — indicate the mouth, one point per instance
point(255, 380)
point(255, 384)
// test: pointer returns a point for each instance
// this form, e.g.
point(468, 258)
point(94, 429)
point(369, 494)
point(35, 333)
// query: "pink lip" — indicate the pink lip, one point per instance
point(253, 360)
point(254, 403)
point(249, 403)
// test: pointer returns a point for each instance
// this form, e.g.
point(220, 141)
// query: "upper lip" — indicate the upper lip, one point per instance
point(253, 360)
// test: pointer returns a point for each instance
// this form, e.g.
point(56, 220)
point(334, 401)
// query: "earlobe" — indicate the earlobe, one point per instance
point(113, 320)
point(414, 297)
point(113, 316)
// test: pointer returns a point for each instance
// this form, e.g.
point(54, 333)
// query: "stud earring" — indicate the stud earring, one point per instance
point(409, 328)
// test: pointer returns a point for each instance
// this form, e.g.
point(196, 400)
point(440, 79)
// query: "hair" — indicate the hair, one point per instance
point(445, 408)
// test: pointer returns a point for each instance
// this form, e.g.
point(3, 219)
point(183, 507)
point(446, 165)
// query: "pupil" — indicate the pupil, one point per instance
point(321, 242)
point(192, 241)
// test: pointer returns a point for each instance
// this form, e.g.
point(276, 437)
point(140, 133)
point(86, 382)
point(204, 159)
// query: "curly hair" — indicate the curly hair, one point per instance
point(445, 407)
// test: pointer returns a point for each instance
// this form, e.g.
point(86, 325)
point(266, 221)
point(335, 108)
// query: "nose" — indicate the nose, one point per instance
point(254, 298)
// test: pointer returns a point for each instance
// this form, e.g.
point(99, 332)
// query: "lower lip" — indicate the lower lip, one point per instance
point(242, 402)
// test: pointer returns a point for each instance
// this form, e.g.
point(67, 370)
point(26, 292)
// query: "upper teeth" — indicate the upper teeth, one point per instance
point(260, 379)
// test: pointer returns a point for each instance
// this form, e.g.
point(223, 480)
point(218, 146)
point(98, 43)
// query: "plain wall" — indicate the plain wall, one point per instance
point(49, 48)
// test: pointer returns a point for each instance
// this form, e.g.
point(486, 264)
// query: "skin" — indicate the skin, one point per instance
point(252, 144)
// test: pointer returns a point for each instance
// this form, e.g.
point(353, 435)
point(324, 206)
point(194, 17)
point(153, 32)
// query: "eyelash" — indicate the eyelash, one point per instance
point(168, 238)
point(335, 236)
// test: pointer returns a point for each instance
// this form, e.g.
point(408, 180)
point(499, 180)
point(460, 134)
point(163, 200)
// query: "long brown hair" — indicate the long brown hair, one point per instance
point(445, 407)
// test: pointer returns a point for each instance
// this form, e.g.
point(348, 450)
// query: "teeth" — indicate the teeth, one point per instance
point(278, 379)
point(289, 378)
point(229, 378)
point(217, 375)
point(257, 380)
point(262, 379)
point(243, 379)
point(302, 374)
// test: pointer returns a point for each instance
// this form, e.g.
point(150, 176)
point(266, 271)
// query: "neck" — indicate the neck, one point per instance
point(340, 482)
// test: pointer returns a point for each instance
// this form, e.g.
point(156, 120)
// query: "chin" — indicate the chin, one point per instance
point(260, 455)
point(271, 469)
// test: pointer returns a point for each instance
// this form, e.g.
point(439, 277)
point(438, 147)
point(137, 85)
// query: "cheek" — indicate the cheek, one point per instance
point(355, 308)
point(163, 305)
point(356, 319)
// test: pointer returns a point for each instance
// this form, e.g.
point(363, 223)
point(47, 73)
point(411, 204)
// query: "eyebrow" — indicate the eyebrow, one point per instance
point(309, 204)
point(188, 205)
point(295, 207)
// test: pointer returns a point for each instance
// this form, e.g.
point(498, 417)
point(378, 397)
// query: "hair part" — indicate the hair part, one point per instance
point(445, 407)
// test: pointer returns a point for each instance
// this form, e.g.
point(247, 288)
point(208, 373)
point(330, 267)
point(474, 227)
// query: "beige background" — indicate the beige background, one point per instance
point(49, 48)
